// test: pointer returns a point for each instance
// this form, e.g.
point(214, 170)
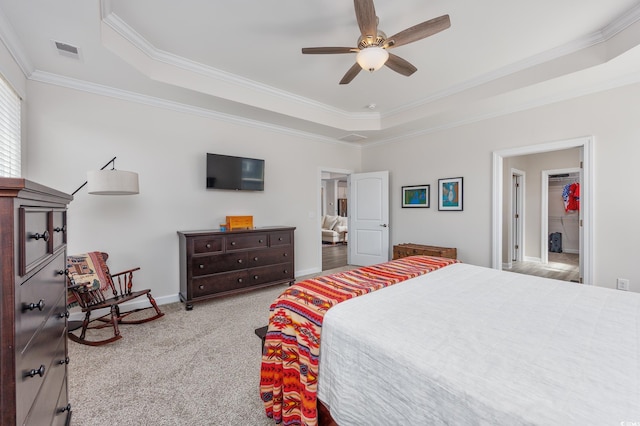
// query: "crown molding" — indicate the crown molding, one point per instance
point(98, 89)
point(14, 46)
point(129, 34)
point(618, 25)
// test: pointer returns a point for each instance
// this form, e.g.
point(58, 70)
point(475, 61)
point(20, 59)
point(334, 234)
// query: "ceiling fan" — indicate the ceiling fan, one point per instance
point(373, 44)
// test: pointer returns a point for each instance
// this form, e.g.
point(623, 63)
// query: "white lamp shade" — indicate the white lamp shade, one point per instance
point(372, 58)
point(112, 182)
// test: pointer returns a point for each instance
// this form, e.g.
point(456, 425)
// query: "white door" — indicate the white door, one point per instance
point(368, 218)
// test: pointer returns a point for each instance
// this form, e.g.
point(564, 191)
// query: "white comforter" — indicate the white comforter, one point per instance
point(467, 345)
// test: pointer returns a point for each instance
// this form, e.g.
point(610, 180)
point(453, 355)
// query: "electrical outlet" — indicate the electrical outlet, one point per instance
point(623, 284)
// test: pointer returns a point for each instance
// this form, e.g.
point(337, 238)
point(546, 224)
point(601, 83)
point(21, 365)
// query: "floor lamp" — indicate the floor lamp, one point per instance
point(111, 182)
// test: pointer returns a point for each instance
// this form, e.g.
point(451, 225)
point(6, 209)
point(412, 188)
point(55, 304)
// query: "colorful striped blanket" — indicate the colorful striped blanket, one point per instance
point(289, 371)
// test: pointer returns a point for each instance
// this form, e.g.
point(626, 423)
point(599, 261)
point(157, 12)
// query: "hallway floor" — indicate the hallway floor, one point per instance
point(561, 266)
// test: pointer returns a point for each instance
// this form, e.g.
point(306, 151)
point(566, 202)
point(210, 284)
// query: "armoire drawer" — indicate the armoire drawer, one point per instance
point(45, 406)
point(59, 228)
point(38, 298)
point(206, 265)
point(280, 238)
point(219, 283)
point(34, 237)
point(265, 274)
point(270, 256)
point(207, 245)
point(245, 241)
point(35, 363)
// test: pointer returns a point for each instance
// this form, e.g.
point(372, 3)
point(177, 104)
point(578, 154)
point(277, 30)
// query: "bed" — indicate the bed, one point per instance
point(463, 344)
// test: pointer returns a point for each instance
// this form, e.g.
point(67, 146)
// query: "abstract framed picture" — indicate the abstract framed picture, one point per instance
point(416, 196)
point(450, 194)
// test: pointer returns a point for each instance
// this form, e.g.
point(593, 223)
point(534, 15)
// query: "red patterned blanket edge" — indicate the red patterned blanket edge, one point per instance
point(290, 359)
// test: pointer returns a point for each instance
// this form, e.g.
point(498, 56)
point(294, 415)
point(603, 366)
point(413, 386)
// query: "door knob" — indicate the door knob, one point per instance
point(384, 225)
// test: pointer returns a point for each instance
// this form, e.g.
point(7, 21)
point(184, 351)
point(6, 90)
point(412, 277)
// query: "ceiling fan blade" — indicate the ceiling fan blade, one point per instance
point(351, 74)
point(418, 32)
point(366, 17)
point(400, 65)
point(328, 50)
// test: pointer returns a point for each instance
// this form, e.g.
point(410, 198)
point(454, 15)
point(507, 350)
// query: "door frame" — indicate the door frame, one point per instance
point(319, 202)
point(586, 201)
point(544, 213)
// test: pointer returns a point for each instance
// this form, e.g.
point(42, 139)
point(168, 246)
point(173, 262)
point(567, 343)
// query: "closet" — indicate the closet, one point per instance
point(564, 215)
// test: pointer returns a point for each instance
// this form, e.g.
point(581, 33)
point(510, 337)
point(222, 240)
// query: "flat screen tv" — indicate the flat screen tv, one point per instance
point(237, 173)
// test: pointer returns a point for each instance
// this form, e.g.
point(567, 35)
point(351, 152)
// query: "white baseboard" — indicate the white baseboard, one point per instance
point(306, 272)
point(507, 265)
point(532, 259)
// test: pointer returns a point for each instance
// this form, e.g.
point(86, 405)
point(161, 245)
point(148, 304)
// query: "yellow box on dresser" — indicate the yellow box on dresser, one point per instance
point(239, 222)
point(409, 249)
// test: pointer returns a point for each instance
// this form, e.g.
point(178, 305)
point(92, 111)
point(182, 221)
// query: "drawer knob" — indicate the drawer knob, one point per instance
point(201, 266)
point(44, 236)
point(208, 245)
point(285, 271)
point(233, 243)
point(285, 254)
point(201, 287)
point(280, 239)
point(64, 314)
point(239, 280)
point(255, 259)
point(239, 260)
point(255, 277)
point(32, 306)
point(59, 229)
point(63, 409)
point(64, 361)
point(260, 241)
point(60, 272)
point(38, 372)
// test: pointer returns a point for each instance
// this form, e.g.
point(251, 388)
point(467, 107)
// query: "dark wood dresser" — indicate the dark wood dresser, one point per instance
point(33, 304)
point(409, 249)
point(219, 263)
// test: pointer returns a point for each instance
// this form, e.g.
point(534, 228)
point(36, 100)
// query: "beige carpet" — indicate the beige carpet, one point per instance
point(198, 367)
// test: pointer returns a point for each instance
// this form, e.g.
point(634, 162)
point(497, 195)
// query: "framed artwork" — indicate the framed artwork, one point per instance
point(416, 196)
point(450, 194)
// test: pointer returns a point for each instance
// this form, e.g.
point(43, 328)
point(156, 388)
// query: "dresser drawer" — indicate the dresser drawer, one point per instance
point(280, 238)
point(270, 256)
point(219, 283)
point(34, 237)
point(45, 290)
point(62, 415)
point(206, 265)
point(207, 245)
point(59, 229)
point(245, 241)
point(40, 356)
point(265, 274)
point(46, 404)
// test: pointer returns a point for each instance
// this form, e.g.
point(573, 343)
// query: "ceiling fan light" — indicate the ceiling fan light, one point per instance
point(372, 58)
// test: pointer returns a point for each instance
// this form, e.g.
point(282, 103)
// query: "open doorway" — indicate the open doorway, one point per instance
point(334, 218)
point(535, 247)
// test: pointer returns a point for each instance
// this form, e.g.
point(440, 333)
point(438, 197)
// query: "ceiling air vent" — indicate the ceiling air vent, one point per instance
point(353, 137)
point(67, 50)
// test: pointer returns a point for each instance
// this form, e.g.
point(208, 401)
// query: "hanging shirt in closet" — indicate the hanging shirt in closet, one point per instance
point(571, 197)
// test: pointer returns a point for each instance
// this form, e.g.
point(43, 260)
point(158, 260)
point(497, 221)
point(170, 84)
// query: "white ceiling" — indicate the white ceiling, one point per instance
point(242, 59)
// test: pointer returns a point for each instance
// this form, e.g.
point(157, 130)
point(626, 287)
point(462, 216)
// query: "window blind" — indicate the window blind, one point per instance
point(9, 131)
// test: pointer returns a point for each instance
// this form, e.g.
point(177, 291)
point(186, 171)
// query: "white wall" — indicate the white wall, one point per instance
point(610, 116)
point(71, 132)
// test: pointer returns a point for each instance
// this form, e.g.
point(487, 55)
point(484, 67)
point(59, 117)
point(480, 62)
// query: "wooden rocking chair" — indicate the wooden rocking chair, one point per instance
point(92, 287)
